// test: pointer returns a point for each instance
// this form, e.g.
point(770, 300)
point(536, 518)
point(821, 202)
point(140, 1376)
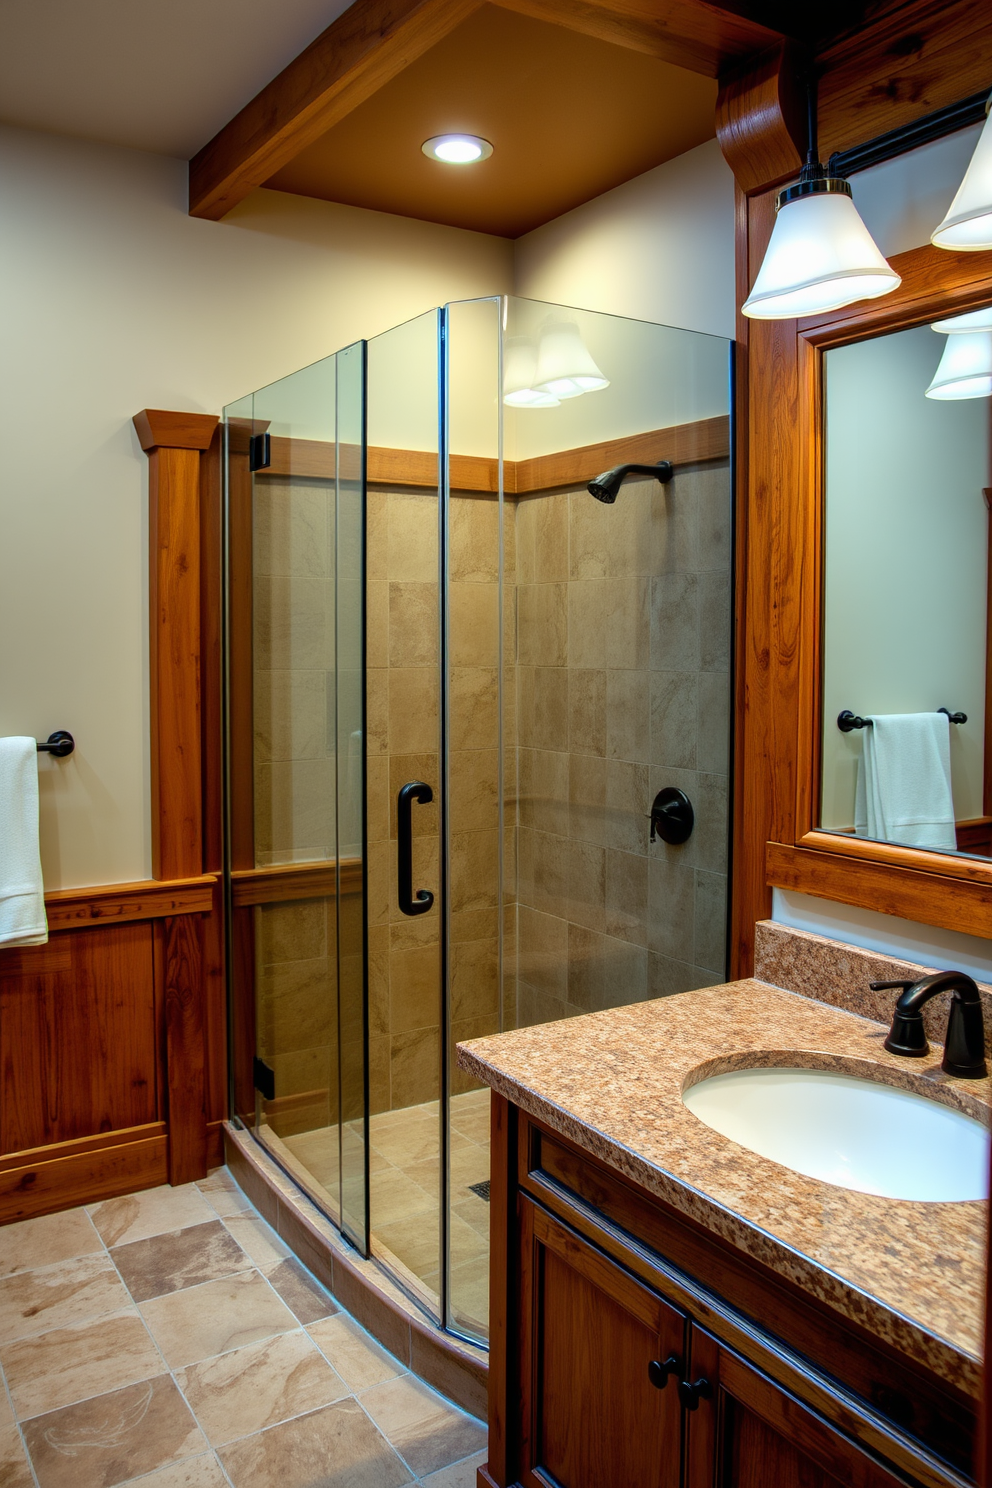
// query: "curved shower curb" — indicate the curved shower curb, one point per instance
point(457, 1369)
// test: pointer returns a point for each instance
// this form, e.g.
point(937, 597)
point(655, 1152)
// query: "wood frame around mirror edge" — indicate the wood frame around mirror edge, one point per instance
point(937, 888)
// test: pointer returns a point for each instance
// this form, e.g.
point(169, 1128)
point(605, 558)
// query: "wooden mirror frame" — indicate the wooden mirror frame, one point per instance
point(940, 888)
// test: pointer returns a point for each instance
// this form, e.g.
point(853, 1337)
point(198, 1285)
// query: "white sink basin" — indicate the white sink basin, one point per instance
point(859, 1134)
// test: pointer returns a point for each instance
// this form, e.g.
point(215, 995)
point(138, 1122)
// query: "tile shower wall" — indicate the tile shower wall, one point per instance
point(294, 790)
point(403, 730)
point(622, 655)
point(293, 680)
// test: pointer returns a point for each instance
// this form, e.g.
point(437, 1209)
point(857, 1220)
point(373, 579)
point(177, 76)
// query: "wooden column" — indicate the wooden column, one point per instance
point(175, 444)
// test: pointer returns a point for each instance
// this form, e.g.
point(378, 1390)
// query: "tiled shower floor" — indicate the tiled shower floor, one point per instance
point(169, 1339)
point(404, 1177)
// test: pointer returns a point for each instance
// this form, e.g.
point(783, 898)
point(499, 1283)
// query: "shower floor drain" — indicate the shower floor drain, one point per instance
point(482, 1189)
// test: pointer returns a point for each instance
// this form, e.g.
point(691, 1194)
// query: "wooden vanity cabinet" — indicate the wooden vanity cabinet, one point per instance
point(611, 1368)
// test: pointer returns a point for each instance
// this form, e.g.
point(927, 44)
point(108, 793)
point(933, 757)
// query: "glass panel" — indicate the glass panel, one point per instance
point(471, 689)
point(293, 934)
point(403, 745)
point(906, 570)
point(349, 552)
point(617, 684)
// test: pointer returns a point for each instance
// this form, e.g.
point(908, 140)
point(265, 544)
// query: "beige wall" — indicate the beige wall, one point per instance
point(113, 299)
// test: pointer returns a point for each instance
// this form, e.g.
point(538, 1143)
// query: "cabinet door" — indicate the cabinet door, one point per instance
point(601, 1358)
point(744, 1431)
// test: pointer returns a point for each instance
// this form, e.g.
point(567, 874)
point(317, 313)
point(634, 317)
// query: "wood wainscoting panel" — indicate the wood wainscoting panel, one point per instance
point(76, 909)
point(83, 1172)
point(182, 962)
point(78, 1038)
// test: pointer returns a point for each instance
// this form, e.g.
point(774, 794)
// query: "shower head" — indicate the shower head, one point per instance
point(606, 486)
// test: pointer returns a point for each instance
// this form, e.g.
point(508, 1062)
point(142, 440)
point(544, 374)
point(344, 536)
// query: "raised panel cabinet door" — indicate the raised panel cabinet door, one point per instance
point(744, 1431)
point(601, 1356)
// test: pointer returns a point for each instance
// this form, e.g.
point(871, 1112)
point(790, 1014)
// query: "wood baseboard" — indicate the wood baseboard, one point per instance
point(68, 1174)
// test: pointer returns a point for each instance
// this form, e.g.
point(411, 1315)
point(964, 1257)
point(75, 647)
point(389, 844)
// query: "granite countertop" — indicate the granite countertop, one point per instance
point(612, 1082)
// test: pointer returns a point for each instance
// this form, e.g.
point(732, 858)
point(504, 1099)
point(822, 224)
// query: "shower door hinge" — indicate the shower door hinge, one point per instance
point(259, 452)
point(264, 1077)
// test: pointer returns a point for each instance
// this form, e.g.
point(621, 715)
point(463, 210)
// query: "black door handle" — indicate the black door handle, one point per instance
point(414, 790)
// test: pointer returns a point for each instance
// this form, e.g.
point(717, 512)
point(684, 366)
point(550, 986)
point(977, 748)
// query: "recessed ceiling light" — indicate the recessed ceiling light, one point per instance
point(457, 149)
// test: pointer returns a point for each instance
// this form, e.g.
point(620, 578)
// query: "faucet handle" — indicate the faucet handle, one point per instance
point(890, 986)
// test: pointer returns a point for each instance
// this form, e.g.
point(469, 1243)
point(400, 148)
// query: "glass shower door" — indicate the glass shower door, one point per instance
point(296, 786)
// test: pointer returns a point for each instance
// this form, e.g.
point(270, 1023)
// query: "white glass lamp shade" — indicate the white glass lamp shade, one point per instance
point(967, 228)
point(520, 374)
point(564, 367)
point(965, 369)
point(820, 256)
point(974, 320)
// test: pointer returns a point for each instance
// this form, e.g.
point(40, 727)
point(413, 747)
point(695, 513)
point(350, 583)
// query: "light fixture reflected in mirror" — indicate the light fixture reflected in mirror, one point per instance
point(967, 228)
point(565, 369)
point(965, 369)
point(520, 375)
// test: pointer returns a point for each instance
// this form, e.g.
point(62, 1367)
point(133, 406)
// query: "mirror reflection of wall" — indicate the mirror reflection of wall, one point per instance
point(906, 580)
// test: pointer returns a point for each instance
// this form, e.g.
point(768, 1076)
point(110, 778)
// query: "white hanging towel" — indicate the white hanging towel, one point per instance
point(22, 890)
point(904, 781)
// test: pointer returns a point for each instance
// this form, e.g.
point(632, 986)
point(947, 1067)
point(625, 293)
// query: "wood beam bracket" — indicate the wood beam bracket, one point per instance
point(761, 117)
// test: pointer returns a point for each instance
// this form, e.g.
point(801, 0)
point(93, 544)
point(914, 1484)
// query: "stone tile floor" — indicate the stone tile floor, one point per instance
point(170, 1339)
point(404, 1174)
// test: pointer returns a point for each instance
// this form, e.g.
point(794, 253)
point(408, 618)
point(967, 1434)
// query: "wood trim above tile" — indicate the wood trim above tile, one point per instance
point(683, 444)
point(294, 881)
point(107, 904)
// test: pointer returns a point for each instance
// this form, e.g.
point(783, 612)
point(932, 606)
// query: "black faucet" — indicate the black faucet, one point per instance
point(964, 1046)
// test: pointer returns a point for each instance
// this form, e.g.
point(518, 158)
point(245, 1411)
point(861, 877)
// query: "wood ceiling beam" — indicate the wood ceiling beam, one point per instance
point(694, 34)
point(369, 44)
point(374, 40)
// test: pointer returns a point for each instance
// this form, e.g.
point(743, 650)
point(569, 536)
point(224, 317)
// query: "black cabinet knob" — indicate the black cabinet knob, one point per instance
point(691, 1394)
point(659, 1372)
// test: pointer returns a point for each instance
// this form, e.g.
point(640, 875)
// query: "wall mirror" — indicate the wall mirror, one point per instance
point(906, 736)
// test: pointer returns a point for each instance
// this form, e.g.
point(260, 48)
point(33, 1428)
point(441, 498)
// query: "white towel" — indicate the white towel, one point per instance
point(22, 890)
point(904, 781)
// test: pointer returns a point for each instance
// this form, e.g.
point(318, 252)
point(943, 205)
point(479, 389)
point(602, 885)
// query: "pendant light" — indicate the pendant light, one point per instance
point(520, 375)
point(965, 369)
point(967, 228)
point(565, 368)
point(820, 255)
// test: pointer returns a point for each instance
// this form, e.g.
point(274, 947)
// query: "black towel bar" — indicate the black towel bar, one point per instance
point(847, 720)
point(60, 744)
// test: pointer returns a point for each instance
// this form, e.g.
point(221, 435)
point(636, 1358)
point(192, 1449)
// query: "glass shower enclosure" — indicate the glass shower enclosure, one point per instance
point(456, 684)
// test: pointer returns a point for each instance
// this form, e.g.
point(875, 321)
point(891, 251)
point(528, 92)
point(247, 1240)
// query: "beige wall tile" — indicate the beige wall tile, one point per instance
point(474, 924)
point(541, 531)
point(295, 808)
point(413, 1067)
point(627, 896)
point(413, 710)
point(294, 931)
point(543, 952)
point(378, 796)
point(627, 622)
point(542, 621)
point(586, 880)
point(591, 525)
point(414, 989)
point(586, 630)
point(473, 705)
point(297, 1005)
point(377, 623)
point(586, 711)
point(474, 859)
point(628, 715)
point(289, 527)
point(474, 979)
point(293, 624)
point(290, 715)
point(628, 803)
point(377, 711)
point(587, 798)
point(377, 533)
point(473, 536)
point(473, 790)
point(544, 790)
point(418, 930)
point(411, 548)
point(413, 625)
point(473, 625)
